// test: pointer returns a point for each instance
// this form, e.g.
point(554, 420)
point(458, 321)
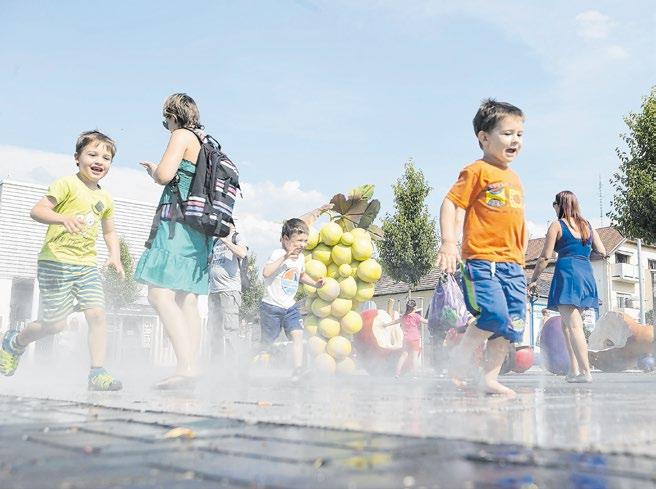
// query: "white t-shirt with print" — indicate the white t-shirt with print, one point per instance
point(282, 285)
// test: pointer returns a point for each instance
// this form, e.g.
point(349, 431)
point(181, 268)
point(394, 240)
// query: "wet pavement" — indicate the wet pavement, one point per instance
point(360, 432)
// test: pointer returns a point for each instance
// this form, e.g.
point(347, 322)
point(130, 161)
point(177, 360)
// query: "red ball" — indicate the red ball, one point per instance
point(523, 359)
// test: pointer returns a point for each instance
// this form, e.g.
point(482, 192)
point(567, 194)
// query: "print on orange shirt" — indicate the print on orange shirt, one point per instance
point(501, 194)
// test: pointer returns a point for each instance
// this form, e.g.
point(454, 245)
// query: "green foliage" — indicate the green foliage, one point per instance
point(634, 202)
point(120, 292)
point(409, 249)
point(251, 298)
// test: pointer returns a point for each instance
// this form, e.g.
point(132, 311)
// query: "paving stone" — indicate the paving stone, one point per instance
point(272, 450)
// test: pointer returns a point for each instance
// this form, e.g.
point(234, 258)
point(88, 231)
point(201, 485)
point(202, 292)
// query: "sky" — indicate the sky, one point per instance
point(312, 98)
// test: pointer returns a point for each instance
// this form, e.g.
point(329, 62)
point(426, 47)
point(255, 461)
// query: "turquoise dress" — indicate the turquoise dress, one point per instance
point(180, 263)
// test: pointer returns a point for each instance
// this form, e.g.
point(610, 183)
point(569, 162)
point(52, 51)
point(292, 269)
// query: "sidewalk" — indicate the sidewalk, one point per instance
point(361, 432)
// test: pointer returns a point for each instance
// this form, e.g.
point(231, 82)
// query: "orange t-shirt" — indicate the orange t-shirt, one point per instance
point(493, 199)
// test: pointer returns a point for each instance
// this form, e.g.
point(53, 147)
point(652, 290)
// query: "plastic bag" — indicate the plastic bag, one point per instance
point(447, 307)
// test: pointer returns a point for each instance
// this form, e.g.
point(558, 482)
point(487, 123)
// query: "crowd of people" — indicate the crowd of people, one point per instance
point(484, 211)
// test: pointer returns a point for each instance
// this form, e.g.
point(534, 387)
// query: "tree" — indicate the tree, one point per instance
point(634, 203)
point(120, 292)
point(409, 247)
point(252, 296)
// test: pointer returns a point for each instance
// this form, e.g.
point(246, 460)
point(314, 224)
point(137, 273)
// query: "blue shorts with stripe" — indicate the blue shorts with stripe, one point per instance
point(61, 284)
point(495, 293)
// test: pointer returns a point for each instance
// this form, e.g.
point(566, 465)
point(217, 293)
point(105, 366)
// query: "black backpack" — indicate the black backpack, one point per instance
point(212, 194)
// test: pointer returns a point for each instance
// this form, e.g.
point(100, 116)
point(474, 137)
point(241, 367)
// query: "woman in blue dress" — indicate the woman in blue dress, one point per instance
point(573, 288)
point(175, 265)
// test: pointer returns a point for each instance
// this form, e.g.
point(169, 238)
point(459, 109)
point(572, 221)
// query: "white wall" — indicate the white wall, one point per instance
point(5, 306)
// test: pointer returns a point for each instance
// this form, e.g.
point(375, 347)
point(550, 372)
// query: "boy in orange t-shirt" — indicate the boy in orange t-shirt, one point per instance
point(488, 198)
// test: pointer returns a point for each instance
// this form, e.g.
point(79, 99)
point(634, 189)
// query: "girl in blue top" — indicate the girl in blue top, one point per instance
point(573, 287)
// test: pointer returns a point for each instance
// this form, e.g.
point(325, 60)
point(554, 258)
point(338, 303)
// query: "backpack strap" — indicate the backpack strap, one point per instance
point(175, 205)
point(153, 227)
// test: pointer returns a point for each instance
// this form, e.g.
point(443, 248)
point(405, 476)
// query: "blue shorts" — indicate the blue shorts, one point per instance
point(274, 318)
point(495, 293)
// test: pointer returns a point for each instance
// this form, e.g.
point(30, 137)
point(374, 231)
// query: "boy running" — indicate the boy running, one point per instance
point(489, 199)
point(74, 208)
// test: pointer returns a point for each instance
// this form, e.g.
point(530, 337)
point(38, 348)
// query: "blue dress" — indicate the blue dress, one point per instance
point(179, 263)
point(573, 282)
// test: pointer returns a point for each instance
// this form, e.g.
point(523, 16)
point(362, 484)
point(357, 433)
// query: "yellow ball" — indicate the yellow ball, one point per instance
point(322, 253)
point(369, 271)
point(340, 307)
point(332, 271)
point(329, 327)
point(341, 254)
point(320, 308)
point(362, 249)
point(317, 345)
point(325, 364)
point(338, 347)
point(365, 291)
point(359, 233)
point(346, 366)
point(351, 323)
point(311, 324)
point(345, 270)
point(347, 238)
point(315, 269)
point(331, 233)
point(330, 289)
point(348, 287)
point(313, 239)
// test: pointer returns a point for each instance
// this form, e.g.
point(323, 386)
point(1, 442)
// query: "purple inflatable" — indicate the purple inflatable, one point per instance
point(552, 347)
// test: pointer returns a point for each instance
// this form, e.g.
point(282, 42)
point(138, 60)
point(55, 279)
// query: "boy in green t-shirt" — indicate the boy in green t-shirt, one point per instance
point(75, 207)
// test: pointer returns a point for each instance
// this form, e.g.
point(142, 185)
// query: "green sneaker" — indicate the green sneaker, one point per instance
point(9, 354)
point(101, 380)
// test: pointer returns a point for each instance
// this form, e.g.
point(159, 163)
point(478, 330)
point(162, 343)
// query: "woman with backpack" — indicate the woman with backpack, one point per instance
point(175, 262)
point(573, 287)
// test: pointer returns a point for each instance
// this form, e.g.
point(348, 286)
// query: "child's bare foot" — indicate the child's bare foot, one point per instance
point(494, 388)
point(456, 377)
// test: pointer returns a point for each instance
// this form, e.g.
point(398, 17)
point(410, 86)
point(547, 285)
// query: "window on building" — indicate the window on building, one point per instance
point(621, 258)
point(625, 301)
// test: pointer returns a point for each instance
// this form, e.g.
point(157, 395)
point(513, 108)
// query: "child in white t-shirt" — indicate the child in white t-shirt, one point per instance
point(282, 274)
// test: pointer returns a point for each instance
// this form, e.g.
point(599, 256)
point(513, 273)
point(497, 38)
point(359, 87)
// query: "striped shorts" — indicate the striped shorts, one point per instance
point(61, 284)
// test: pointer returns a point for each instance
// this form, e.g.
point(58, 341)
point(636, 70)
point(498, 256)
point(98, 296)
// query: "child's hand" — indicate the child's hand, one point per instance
point(448, 257)
point(293, 254)
point(117, 265)
point(150, 167)
point(72, 225)
point(532, 288)
point(319, 283)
